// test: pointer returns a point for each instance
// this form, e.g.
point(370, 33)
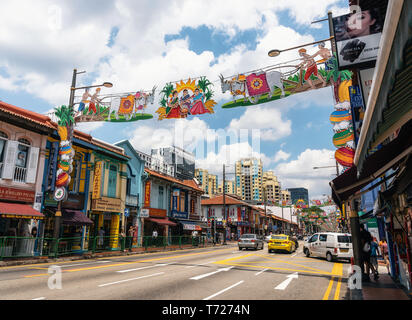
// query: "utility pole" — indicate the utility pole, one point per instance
point(264, 200)
point(282, 219)
point(224, 205)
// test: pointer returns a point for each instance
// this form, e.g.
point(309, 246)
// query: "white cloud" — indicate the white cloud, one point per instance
point(281, 155)
point(300, 172)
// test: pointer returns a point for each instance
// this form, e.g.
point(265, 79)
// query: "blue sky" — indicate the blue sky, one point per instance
point(159, 44)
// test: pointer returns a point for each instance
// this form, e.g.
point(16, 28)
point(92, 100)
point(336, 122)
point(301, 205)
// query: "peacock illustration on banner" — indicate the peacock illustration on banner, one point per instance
point(270, 83)
point(181, 99)
point(124, 107)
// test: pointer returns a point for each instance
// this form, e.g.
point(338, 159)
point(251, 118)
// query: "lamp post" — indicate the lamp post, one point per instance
point(58, 215)
point(275, 52)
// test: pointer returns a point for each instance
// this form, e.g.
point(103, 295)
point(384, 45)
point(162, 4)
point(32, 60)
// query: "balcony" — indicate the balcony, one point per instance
point(19, 174)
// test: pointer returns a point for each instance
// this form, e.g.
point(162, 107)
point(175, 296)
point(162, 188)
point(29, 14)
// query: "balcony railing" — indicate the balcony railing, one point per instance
point(20, 174)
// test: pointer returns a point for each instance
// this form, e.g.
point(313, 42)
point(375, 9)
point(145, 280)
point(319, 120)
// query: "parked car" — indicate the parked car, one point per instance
point(281, 242)
point(329, 245)
point(251, 241)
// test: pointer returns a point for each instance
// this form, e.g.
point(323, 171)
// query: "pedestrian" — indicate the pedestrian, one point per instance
point(130, 237)
point(384, 251)
point(101, 237)
point(374, 257)
point(154, 234)
point(366, 239)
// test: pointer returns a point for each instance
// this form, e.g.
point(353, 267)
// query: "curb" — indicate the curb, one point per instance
point(92, 256)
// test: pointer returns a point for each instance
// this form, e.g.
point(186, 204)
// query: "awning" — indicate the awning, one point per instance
point(350, 182)
point(75, 218)
point(164, 222)
point(19, 211)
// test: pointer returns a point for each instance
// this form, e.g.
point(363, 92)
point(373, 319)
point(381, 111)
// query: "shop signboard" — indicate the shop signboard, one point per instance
point(189, 226)
point(147, 194)
point(52, 166)
point(358, 110)
point(97, 180)
point(366, 79)
point(144, 213)
point(107, 204)
point(74, 201)
point(17, 195)
point(358, 37)
point(157, 213)
point(179, 215)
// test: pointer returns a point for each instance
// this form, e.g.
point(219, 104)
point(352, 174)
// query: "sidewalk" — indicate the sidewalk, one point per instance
point(88, 255)
point(385, 288)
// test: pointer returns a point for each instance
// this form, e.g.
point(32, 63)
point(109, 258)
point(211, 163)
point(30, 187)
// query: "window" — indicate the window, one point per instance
point(3, 140)
point(22, 153)
point(161, 196)
point(314, 238)
point(112, 181)
point(345, 239)
point(322, 237)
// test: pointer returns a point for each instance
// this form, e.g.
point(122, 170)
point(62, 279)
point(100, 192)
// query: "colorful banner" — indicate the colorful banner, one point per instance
point(147, 194)
point(180, 100)
point(97, 180)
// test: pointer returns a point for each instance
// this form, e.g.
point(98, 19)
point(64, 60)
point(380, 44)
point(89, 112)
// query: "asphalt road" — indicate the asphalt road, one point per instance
point(219, 273)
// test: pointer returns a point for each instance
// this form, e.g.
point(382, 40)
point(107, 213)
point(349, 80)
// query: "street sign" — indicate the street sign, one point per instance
point(144, 213)
point(126, 212)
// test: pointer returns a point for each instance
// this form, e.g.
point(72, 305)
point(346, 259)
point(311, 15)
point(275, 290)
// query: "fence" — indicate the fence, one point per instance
point(24, 247)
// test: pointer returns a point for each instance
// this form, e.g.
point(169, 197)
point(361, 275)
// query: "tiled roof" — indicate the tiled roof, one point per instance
point(187, 183)
point(219, 200)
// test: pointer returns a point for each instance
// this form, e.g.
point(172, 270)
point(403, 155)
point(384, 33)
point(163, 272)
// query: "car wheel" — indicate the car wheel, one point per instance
point(269, 251)
point(329, 257)
point(307, 253)
point(240, 249)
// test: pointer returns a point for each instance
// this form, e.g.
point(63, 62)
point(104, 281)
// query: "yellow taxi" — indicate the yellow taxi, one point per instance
point(281, 242)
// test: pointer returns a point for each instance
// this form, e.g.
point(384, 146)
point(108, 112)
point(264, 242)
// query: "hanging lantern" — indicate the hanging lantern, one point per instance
point(341, 138)
point(339, 116)
point(344, 156)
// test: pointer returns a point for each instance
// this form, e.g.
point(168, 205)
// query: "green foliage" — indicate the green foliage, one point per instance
point(166, 91)
point(204, 83)
point(334, 72)
point(65, 115)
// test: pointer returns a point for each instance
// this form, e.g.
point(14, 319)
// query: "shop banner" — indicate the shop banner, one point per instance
point(147, 194)
point(358, 110)
point(358, 37)
point(174, 202)
point(16, 194)
point(179, 214)
point(97, 180)
point(366, 79)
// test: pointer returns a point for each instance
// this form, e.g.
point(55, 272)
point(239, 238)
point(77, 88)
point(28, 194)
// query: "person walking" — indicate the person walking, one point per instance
point(365, 238)
point(384, 251)
point(130, 234)
point(101, 237)
point(374, 257)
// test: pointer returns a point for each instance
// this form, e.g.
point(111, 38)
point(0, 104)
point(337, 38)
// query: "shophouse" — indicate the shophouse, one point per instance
point(23, 138)
point(171, 206)
point(134, 189)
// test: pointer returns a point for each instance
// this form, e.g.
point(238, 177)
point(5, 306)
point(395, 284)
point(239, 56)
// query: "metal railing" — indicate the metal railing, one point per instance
point(24, 247)
point(20, 174)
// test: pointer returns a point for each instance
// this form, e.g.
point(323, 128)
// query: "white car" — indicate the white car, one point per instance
point(329, 245)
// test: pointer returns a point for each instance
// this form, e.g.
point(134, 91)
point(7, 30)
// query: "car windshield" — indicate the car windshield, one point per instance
point(279, 237)
point(344, 239)
point(248, 236)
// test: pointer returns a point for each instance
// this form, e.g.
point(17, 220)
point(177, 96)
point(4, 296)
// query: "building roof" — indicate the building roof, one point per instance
point(219, 200)
point(47, 123)
point(186, 183)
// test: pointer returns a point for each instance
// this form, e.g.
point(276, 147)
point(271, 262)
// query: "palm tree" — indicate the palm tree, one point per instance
point(167, 91)
point(337, 77)
point(204, 85)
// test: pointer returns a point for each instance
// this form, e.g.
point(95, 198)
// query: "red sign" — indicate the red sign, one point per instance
point(153, 212)
point(147, 194)
point(16, 195)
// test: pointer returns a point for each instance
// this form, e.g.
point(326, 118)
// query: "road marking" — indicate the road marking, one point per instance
point(337, 291)
point(156, 265)
point(82, 264)
point(326, 295)
point(199, 265)
point(294, 254)
point(210, 273)
point(41, 298)
point(256, 274)
point(224, 290)
point(285, 283)
point(142, 277)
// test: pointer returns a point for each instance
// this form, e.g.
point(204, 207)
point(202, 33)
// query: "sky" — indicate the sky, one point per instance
point(137, 45)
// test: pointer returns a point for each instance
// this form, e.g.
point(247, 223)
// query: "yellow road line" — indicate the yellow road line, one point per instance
point(326, 295)
point(337, 291)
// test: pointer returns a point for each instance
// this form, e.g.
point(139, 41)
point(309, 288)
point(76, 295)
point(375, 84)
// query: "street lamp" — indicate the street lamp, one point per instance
point(275, 52)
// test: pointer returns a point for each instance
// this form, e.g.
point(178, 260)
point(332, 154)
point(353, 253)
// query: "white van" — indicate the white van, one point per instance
point(329, 245)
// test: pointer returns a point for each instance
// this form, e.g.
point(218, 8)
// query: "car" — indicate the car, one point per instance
point(251, 241)
point(329, 245)
point(281, 242)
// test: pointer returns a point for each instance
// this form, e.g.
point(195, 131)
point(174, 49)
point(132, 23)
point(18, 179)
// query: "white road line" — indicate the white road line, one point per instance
point(294, 254)
point(256, 274)
point(41, 298)
point(150, 275)
point(224, 290)
point(199, 265)
point(142, 268)
point(210, 273)
point(285, 283)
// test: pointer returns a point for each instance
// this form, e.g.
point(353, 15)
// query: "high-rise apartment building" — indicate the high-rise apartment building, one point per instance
point(271, 187)
point(156, 164)
point(299, 194)
point(249, 179)
point(230, 187)
point(208, 182)
point(182, 161)
point(286, 196)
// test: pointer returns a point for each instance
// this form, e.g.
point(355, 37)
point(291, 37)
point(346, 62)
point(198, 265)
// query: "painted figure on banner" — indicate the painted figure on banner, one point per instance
point(182, 99)
point(311, 68)
point(93, 101)
point(86, 95)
